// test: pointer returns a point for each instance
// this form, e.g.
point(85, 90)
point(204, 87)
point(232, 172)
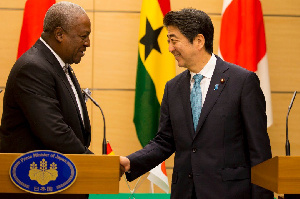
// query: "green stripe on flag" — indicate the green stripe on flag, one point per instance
point(147, 107)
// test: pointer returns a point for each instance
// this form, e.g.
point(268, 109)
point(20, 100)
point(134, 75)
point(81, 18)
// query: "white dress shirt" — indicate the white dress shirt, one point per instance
point(207, 73)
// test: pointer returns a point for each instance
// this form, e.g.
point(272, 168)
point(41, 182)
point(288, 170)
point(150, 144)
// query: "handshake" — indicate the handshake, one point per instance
point(124, 165)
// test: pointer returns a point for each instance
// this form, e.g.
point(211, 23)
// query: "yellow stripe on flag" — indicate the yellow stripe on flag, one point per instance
point(160, 66)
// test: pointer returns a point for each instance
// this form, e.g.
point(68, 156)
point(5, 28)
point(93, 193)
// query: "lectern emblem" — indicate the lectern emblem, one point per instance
point(43, 172)
point(43, 175)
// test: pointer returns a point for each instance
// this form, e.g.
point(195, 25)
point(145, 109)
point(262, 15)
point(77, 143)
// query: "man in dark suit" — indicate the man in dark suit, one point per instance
point(43, 107)
point(215, 153)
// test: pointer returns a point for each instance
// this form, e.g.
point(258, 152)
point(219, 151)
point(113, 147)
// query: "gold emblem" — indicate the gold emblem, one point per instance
point(43, 175)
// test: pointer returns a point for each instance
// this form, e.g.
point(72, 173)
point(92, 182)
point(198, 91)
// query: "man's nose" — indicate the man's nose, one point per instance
point(171, 47)
point(87, 42)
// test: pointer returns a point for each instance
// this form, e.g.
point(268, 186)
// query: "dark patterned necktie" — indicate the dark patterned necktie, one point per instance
point(65, 68)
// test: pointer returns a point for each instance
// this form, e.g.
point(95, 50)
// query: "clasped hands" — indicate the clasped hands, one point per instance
point(124, 165)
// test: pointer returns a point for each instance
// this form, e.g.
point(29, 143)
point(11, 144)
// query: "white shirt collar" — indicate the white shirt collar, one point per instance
point(208, 69)
point(61, 62)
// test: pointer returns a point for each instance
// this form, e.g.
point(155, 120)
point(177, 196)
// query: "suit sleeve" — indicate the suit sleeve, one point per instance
point(35, 92)
point(255, 123)
point(160, 148)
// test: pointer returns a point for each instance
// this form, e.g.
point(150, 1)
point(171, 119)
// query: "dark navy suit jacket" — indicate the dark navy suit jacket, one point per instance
point(231, 137)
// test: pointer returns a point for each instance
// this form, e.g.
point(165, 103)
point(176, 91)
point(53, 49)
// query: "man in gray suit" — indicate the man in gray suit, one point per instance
point(214, 153)
point(43, 107)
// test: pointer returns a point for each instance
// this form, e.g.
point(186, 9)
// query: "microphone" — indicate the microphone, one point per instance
point(287, 143)
point(104, 145)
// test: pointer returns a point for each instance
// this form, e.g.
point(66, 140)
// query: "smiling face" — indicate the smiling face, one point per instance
point(185, 53)
point(75, 41)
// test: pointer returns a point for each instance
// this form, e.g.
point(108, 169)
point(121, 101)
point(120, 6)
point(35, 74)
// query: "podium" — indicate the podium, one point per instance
point(280, 174)
point(96, 174)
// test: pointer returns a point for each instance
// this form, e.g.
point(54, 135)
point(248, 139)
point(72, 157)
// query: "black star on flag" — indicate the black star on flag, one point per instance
point(150, 39)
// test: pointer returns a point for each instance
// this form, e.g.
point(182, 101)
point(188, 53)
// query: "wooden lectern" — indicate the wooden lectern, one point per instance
point(280, 174)
point(96, 174)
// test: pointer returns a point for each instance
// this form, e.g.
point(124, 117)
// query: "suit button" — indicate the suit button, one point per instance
point(190, 175)
point(194, 150)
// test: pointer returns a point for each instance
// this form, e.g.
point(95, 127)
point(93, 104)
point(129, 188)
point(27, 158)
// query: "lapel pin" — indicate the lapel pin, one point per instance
point(222, 81)
point(216, 87)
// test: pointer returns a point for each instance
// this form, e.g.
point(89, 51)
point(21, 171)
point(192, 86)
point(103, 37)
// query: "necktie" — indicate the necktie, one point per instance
point(68, 70)
point(65, 68)
point(196, 99)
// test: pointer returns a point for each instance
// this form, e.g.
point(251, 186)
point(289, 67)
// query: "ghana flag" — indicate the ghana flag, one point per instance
point(156, 65)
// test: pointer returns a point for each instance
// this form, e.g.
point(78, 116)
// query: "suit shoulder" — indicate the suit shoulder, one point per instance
point(179, 77)
point(234, 71)
point(31, 65)
point(232, 67)
point(33, 56)
point(237, 73)
point(37, 59)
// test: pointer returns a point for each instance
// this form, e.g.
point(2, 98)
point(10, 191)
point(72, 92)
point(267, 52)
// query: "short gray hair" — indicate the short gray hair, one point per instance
point(62, 15)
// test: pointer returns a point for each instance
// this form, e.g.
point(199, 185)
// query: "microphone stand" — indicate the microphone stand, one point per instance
point(104, 145)
point(287, 143)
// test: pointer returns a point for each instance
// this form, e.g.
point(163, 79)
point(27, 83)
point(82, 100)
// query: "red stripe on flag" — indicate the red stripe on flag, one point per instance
point(165, 6)
point(34, 13)
point(163, 168)
point(242, 40)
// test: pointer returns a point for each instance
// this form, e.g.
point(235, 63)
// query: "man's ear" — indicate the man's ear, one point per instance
point(58, 34)
point(199, 41)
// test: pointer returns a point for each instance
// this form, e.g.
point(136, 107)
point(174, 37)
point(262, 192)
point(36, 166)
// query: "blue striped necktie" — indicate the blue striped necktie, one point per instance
point(196, 99)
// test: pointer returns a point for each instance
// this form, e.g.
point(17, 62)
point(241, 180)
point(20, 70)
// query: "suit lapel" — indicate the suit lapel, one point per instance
point(66, 82)
point(79, 92)
point(57, 67)
point(184, 87)
point(86, 129)
point(213, 94)
point(60, 72)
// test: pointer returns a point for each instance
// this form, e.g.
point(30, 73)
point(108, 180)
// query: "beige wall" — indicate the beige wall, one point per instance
point(109, 67)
